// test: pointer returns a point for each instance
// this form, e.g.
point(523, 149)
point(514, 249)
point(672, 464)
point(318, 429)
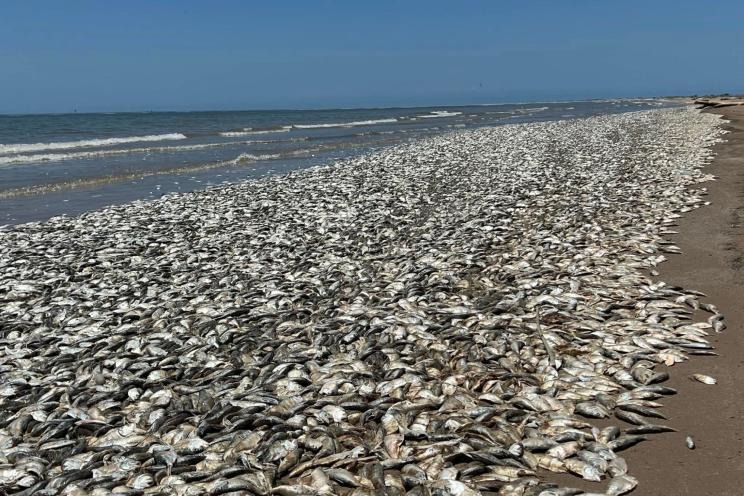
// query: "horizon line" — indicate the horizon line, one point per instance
point(322, 108)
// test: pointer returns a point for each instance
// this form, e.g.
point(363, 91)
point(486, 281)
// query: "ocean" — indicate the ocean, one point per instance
point(66, 164)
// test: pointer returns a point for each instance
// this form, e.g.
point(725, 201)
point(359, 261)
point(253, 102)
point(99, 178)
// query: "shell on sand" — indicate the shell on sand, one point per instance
point(442, 317)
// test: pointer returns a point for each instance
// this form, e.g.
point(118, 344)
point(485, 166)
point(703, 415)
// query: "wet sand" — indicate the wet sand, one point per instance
point(712, 242)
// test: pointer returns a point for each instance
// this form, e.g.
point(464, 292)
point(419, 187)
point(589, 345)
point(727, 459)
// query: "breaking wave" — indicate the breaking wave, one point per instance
point(249, 131)
point(438, 113)
point(345, 124)
point(66, 145)
point(55, 157)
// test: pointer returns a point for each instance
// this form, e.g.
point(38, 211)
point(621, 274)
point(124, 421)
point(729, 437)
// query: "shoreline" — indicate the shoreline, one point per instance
point(71, 174)
point(712, 261)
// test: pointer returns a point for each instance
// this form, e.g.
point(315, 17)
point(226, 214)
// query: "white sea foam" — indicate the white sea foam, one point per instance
point(249, 157)
point(249, 130)
point(345, 124)
point(56, 157)
point(533, 109)
point(438, 113)
point(66, 145)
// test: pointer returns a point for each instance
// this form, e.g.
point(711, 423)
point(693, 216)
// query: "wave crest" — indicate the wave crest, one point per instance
point(66, 145)
point(58, 157)
point(371, 122)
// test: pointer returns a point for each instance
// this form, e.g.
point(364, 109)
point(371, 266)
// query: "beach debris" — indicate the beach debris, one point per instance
point(447, 316)
point(705, 379)
point(718, 322)
point(689, 442)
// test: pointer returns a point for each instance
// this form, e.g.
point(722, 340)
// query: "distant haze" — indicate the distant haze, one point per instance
point(188, 55)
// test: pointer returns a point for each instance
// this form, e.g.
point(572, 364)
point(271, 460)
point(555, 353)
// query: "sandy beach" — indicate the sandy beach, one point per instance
point(371, 249)
point(478, 312)
point(712, 261)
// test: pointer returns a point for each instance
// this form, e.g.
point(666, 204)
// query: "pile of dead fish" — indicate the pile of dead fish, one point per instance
point(445, 317)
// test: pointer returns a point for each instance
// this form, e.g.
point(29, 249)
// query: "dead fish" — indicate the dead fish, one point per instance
point(625, 441)
point(621, 484)
point(437, 317)
point(293, 490)
point(617, 466)
point(705, 379)
point(592, 410)
point(583, 469)
point(630, 417)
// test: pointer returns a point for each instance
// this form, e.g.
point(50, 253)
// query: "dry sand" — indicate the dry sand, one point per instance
point(712, 242)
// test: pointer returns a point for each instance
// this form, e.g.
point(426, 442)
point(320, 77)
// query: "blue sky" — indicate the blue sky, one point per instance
point(56, 56)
